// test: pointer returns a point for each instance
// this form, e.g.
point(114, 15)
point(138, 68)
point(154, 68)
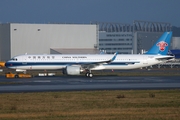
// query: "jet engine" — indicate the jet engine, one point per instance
point(73, 70)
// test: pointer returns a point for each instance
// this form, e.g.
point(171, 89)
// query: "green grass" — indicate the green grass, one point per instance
point(96, 105)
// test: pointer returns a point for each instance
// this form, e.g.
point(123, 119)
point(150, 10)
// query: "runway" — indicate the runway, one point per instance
point(81, 83)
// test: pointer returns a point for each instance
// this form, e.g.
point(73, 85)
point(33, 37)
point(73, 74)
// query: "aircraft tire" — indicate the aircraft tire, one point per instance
point(16, 76)
point(90, 75)
point(87, 74)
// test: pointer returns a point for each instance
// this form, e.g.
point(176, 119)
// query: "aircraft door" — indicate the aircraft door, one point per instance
point(145, 60)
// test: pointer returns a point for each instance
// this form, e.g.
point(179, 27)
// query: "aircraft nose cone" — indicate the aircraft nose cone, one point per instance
point(7, 64)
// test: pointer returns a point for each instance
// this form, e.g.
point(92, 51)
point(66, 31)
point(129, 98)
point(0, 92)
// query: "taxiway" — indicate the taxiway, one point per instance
point(80, 83)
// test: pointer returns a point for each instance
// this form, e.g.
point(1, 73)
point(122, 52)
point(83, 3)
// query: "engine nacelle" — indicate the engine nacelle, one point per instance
point(73, 70)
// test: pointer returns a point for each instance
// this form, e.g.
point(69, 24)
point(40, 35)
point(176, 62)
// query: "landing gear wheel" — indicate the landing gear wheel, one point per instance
point(89, 75)
point(16, 76)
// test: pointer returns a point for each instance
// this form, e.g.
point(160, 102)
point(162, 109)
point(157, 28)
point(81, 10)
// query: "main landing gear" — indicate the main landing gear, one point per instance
point(89, 74)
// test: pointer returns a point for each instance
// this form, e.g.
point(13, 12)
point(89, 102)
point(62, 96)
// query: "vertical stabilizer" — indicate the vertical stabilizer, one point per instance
point(162, 45)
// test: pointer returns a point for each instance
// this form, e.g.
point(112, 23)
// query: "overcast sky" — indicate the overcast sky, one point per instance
point(85, 11)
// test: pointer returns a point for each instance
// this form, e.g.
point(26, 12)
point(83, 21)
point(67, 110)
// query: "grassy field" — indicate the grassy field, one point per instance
point(95, 105)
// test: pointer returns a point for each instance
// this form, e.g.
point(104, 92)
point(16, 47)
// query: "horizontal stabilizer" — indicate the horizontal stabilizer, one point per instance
point(165, 57)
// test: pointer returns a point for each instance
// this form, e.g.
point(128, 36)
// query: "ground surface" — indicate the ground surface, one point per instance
point(96, 105)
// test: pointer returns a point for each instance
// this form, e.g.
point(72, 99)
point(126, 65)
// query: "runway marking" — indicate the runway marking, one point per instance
point(43, 81)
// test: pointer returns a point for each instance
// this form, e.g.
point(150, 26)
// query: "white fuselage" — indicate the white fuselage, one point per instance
point(46, 62)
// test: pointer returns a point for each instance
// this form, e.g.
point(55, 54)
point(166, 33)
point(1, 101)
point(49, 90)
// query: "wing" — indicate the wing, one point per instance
point(90, 65)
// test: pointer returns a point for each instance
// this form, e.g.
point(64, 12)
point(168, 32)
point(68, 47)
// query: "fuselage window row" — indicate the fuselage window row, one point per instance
point(43, 57)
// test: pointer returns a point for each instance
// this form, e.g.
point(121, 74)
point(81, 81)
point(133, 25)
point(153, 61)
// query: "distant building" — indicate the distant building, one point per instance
point(115, 37)
point(17, 38)
point(175, 47)
point(176, 43)
point(176, 53)
point(146, 33)
point(128, 39)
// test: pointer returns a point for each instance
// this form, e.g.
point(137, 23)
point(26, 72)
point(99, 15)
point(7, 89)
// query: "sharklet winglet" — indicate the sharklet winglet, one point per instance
point(114, 57)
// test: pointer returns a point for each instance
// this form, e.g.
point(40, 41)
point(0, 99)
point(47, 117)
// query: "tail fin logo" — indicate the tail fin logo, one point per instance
point(162, 45)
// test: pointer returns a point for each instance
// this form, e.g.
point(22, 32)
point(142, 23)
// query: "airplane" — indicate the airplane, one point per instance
point(75, 64)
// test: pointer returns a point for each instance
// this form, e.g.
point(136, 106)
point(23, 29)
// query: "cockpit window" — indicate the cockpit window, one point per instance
point(14, 59)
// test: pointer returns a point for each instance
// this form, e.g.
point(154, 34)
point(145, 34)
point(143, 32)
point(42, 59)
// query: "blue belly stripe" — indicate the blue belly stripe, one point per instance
point(10, 64)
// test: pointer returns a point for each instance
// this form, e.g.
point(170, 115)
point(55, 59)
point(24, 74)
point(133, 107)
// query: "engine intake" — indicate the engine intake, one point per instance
point(73, 70)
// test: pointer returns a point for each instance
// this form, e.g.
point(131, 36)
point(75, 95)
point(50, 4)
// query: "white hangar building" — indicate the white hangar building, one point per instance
point(18, 38)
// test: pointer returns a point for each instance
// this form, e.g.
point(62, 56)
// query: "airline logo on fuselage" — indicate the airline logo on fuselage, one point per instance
point(162, 45)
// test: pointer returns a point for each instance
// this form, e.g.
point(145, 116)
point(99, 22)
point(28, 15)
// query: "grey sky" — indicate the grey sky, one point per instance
point(84, 11)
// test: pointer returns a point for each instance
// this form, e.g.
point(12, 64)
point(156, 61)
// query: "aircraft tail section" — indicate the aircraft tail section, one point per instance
point(162, 45)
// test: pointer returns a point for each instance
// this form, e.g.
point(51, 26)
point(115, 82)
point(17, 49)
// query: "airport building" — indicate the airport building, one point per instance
point(16, 39)
point(115, 37)
point(130, 39)
point(145, 34)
